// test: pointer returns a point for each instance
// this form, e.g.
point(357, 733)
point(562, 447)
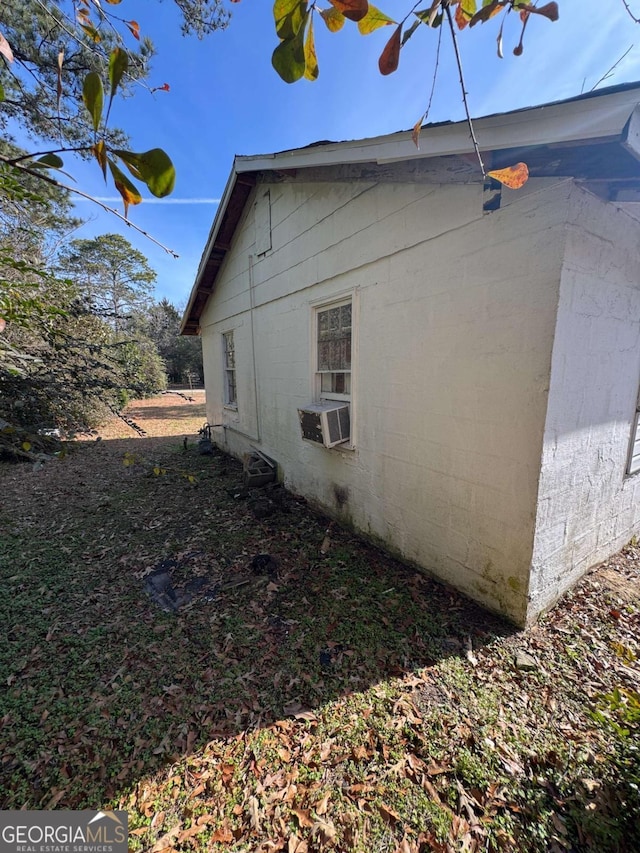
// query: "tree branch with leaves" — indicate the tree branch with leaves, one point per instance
point(295, 56)
point(61, 66)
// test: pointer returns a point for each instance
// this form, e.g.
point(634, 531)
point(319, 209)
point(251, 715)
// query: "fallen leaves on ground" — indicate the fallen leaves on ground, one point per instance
point(339, 701)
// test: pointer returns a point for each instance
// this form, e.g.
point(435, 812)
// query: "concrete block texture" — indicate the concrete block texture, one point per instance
point(593, 395)
point(489, 415)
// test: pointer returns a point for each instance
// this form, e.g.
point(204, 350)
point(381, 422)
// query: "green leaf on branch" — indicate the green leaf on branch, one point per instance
point(92, 96)
point(92, 32)
point(50, 161)
point(289, 16)
point(354, 10)
point(153, 167)
point(408, 33)
point(373, 20)
point(311, 69)
point(333, 19)
point(127, 190)
point(432, 17)
point(118, 64)
point(1, 92)
point(390, 56)
point(289, 58)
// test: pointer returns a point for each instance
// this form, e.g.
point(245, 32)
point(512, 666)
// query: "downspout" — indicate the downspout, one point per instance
point(253, 348)
point(253, 356)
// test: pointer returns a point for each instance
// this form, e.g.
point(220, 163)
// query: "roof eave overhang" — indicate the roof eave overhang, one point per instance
point(229, 212)
point(580, 120)
point(597, 119)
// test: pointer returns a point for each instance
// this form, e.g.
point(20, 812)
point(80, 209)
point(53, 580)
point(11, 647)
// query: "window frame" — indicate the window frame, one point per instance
point(634, 437)
point(229, 374)
point(318, 394)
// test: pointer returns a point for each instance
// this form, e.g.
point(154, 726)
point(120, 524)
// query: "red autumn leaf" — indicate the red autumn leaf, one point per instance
point(354, 10)
point(488, 11)
point(134, 28)
point(549, 10)
point(100, 153)
point(513, 177)
point(461, 19)
point(415, 135)
point(390, 56)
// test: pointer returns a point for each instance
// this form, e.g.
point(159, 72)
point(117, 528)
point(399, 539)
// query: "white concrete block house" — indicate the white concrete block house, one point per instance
point(484, 344)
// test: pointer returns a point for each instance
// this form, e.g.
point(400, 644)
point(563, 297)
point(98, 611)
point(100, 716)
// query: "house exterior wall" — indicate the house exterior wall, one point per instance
point(587, 506)
point(454, 315)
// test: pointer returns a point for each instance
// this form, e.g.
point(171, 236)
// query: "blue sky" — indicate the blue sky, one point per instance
point(226, 99)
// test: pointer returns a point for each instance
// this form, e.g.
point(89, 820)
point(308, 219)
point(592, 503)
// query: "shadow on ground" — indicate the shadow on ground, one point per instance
point(103, 686)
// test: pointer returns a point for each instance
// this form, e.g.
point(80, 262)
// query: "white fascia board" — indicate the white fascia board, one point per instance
point(584, 119)
point(222, 206)
point(217, 219)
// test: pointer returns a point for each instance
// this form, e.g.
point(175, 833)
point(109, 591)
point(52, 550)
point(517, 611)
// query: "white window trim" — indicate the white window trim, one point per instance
point(340, 298)
point(229, 404)
point(635, 436)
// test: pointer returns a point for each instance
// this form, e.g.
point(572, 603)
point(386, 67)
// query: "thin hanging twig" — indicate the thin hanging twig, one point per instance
point(629, 12)
point(472, 132)
point(37, 174)
point(613, 67)
point(435, 74)
point(13, 161)
point(418, 125)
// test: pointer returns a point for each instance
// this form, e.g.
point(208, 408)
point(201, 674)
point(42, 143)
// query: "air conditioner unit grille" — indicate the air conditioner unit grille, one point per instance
point(325, 423)
point(338, 424)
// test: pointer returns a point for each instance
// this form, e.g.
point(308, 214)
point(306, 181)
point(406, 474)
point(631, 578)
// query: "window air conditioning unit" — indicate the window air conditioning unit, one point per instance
point(325, 423)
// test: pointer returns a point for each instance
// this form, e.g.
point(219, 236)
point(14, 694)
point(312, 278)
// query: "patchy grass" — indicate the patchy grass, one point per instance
point(327, 701)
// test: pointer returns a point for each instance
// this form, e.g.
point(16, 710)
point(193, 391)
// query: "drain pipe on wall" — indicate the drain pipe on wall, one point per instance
point(253, 348)
point(253, 355)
